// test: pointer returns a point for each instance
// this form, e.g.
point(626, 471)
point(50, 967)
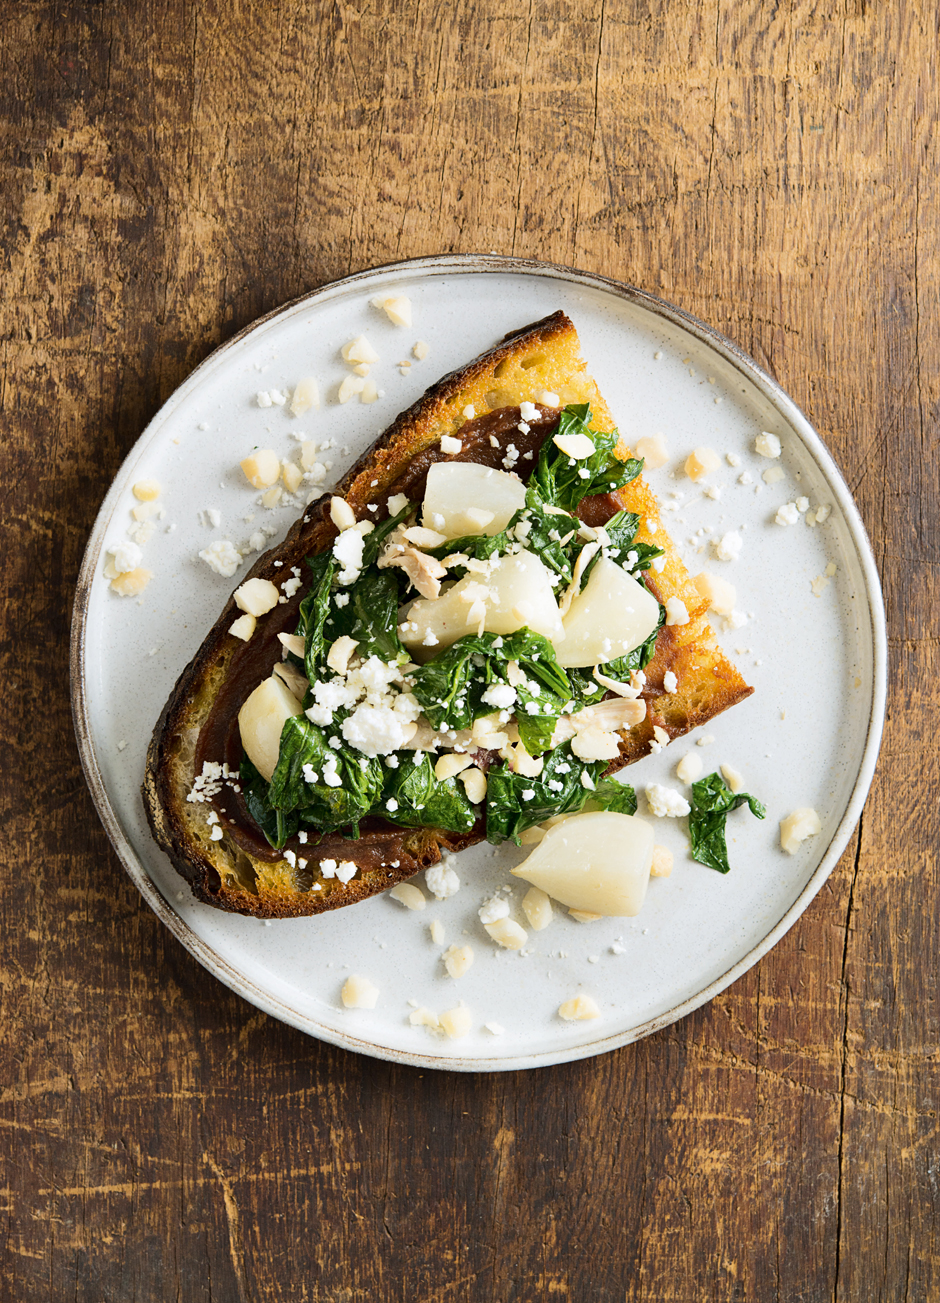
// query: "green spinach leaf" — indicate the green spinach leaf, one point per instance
point(712, 802)
point(414, 798)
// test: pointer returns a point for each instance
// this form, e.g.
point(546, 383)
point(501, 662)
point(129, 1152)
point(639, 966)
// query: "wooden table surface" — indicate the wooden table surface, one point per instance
point(171, 171)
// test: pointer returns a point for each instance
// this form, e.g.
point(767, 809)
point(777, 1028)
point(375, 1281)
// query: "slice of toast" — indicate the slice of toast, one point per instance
point(191, 789)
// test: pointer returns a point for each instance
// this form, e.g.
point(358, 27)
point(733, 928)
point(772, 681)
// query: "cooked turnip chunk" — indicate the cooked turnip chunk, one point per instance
point(609, 618)
point(518, 592)
point(261, 720)
point(456, 491)
point(598, 862)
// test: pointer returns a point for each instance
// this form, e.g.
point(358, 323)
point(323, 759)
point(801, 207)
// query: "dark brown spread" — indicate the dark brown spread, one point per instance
point(490, 440)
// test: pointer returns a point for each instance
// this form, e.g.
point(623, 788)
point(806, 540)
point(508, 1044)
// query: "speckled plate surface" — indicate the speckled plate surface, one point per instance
point(800, 740)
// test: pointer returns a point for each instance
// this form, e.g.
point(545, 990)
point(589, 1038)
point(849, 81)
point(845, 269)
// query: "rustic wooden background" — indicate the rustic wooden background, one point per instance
point(170, 170)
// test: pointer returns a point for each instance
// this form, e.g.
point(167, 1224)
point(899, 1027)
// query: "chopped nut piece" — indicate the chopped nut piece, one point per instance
point(340, 652)
point(507, 933)
point(662, 862)
point(359, 993)
point(701, 462)
point(796, 827)
point(689, 767)
point(271, 497)
point(537, 907)
point(732, 778)
point(424, 1018)
point(262, 468)
point(420, 350)
point(256, 596)
point(351, 385)
point(653, 451)
point(457, 960)
point(306, 395)
point(359, 350)
point(369, 392)
point(474, 781)
point(407, 894)
point(579, 1008)
point(437, 932)
point(455, 1022)
point(292, 476)
point(396, 308)
point(342, 514)
point(146, 490)
point(450, 765)
point(718, 593)
point(130, 583)
point(584, 915)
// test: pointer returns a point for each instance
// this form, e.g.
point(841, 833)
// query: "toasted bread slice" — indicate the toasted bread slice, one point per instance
point(191, 788)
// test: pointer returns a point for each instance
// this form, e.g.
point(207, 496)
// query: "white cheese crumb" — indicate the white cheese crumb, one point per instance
point(495, 908)
point(732, 459)
point(125, 557)
point(441, 881)
point(788, 514)
point(773, 475)
point(450, 445)
point(494, 1028)
point(767, 445)
point(469, 411)
point(728, 547)
point(666, 802)
point(676, 611)
point(547, 398)
point(396, 503)
point(420, 350)
point(222, 557)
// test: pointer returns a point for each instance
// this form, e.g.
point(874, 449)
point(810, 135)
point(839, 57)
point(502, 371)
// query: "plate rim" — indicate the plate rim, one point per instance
point(237, 981)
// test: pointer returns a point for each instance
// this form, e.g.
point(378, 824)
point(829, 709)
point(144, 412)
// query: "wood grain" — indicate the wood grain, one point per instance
point(169, 172)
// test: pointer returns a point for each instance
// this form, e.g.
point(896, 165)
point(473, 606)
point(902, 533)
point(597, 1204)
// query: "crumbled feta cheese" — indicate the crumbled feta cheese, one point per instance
point(767, 445)
point(348, 549)
point(210, 517)
point(732, 459)
point(666, 802)
point(125, 557)
point(528, 411)
point(346, 870)
point(676, 611)
point(788, 514)
point(222, 557)
point(670, 682)
point(396, 503)
point(548, 399)
point(728, 547)
point(442, 881)
point(377, 730)
point(495, 908)
point(450, 445)
point(773, 475)
point(500, 695)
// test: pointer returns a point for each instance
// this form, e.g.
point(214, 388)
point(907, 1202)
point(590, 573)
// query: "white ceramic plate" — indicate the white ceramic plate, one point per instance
point(808, 736)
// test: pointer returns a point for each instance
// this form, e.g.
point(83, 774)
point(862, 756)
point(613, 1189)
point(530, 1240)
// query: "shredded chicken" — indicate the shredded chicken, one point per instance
point(425, 572)
point(607, 715)
point(629, 690)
